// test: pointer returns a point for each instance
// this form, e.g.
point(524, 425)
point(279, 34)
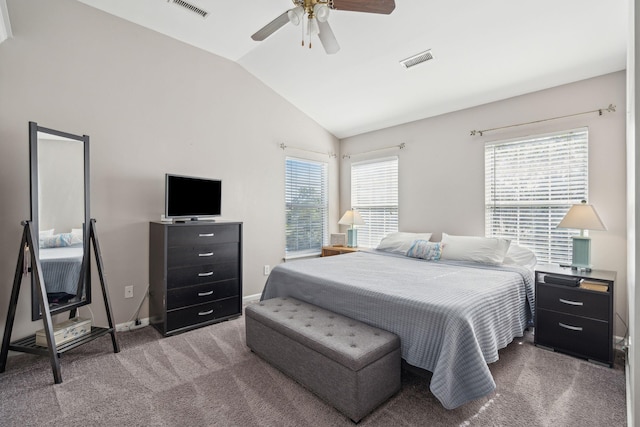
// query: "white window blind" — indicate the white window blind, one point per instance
point(306, 206)
point(530, 184)
point(374, 192)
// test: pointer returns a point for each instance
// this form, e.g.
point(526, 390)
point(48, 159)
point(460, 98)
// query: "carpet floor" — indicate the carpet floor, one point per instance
point(208, 377)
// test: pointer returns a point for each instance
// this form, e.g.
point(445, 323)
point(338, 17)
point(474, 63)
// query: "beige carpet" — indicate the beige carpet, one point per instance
point(208, 377)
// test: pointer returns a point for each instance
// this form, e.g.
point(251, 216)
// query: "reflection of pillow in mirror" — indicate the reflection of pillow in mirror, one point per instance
point(76, 239)
point(46, 233)
point(56, 241)
point(79, 231)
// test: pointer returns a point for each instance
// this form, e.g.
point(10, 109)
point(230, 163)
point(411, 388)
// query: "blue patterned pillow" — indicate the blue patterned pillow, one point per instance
point(424, 249)
point(56, 241)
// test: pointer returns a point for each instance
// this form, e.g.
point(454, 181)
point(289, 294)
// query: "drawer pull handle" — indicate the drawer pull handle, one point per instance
point(206, 254)
point(210, 273)
point(572, 328)
point(205, 294)
point(206, 235)
point(566, 301)
point(205, 313)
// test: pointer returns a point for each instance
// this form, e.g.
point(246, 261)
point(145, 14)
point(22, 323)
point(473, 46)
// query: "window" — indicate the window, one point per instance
point(374, 192)
point(306, 206)
point(530, 184)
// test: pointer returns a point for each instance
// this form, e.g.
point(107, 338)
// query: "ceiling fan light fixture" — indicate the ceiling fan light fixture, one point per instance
point(321, 12)
point(295, 15)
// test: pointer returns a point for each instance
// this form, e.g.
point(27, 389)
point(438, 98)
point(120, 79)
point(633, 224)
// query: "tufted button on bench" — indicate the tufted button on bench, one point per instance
point(352, 366)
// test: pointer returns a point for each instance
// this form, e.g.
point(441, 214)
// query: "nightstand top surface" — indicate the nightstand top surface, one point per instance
point(567, 271)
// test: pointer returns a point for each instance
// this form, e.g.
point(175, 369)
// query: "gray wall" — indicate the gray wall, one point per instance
point(150, 105)
point(441, 170)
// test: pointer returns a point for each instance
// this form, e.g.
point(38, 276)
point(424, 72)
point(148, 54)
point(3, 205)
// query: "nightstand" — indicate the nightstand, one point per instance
point(337, 250)
point(577, 320)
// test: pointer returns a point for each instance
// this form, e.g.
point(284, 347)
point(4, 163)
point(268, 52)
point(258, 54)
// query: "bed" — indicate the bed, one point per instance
point(452, 316)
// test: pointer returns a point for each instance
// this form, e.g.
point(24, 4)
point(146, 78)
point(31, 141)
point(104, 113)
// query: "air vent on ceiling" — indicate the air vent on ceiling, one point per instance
point(416, 59)
point(191, 7)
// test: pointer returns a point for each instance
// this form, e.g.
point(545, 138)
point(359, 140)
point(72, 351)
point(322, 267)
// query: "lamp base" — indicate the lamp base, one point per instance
point(581, 259)
point(352, 238)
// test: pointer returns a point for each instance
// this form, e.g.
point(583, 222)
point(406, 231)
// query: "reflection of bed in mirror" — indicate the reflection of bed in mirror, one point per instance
point(61, 269)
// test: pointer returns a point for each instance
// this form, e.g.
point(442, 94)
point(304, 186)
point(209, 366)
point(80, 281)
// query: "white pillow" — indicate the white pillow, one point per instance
point(487, 250)
point(519, 255)
point(400, 242)
point(46, 233)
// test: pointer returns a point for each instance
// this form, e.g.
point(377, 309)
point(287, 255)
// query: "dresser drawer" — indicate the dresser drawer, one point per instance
point(193, 295)
point(575, 301)
point(199, 274)
point(203, 234)
point(194, 315)
point(585, 337)
point(200, 255)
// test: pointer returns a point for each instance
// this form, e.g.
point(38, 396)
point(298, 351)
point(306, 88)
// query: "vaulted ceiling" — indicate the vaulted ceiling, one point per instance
point(483, 51)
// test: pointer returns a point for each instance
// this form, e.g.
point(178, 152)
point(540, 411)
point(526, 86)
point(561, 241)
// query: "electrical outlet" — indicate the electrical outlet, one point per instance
point(128, 291)
point(266, 270)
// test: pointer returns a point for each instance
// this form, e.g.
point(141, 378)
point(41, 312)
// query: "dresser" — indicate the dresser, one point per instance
point(577, 320)
point(195, 274)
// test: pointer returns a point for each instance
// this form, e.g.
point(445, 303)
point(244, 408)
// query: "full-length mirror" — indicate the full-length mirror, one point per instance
point(60, 217)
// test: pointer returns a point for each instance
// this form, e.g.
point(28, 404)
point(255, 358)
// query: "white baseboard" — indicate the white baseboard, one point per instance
point(250, 298)
point(131, 326)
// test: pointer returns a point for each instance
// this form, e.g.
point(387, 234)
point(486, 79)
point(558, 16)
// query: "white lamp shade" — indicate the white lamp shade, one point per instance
point(582, 217)
point(351, 217)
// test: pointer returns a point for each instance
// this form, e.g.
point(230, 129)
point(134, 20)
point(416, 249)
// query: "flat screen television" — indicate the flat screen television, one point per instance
point(189, 197)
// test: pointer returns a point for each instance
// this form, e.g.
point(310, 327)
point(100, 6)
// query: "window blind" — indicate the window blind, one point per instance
point(306, 206)
point(374, 192)
point(530, 184)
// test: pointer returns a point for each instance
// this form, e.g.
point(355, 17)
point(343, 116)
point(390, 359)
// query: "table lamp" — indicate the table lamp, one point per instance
point(583, 217)
point(352, 217)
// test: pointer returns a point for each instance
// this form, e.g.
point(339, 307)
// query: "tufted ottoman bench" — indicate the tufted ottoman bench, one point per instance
point(352, 366)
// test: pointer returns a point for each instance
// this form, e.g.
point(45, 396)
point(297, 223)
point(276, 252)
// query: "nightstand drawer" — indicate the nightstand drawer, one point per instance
point(194, 315)
point(573, 301)
point(198, 255)
point(202, 234)
point(200, 294)
point(207, 273)
point(588, 338)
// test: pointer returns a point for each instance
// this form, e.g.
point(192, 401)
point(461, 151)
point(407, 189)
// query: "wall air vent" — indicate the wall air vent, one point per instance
point(190, 7)
point(416, 59)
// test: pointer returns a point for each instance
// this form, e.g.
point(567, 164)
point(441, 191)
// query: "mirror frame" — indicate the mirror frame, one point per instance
point(85, 272)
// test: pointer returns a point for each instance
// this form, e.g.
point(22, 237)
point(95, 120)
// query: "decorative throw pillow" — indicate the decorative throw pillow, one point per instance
point(486, 250)
point(424, 249)
point(56, 241)
point(400, 242)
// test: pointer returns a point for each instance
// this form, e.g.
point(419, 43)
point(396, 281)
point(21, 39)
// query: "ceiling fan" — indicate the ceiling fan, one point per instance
point(317, 13)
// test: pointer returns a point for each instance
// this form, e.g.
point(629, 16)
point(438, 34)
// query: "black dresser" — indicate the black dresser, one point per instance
point(195, 274)
point(577, 320)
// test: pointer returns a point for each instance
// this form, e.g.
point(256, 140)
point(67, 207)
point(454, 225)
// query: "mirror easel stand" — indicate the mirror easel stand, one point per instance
point(27, 344)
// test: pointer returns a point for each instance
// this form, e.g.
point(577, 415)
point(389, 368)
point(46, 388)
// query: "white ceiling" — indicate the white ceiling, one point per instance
point(484, 51)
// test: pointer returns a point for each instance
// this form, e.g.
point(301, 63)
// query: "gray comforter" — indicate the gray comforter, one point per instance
point(452, 318)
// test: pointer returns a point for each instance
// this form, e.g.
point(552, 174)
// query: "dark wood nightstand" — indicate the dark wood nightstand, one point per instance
point(575, 320)
point(337, 250)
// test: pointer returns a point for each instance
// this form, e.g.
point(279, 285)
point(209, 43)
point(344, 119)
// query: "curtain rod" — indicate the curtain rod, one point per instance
point(400, 146)
point(611, 108)
point(330, 154)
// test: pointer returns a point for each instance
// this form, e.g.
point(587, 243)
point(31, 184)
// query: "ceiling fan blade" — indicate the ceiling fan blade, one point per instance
point(271, 27)
point(327, 38)
point(384, 7)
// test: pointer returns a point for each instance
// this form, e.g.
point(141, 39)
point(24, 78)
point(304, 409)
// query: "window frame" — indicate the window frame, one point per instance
point(568, 174)
point(291, 253)
point(368, 236)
